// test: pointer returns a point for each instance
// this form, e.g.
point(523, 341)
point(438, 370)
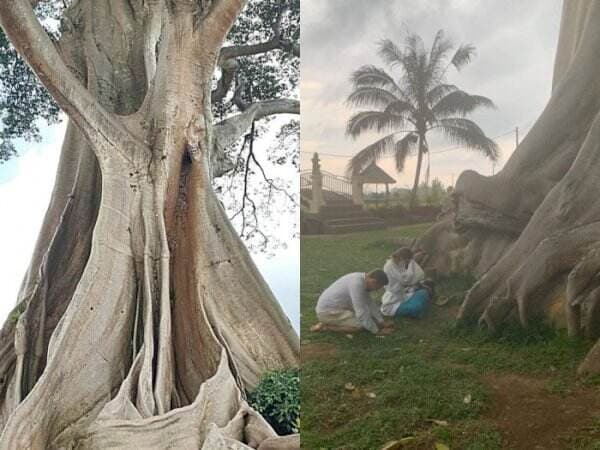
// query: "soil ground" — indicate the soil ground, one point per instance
point(531, 417)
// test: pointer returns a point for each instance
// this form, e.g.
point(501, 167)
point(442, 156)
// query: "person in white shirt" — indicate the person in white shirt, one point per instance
point(346, 306)
point(404, 274)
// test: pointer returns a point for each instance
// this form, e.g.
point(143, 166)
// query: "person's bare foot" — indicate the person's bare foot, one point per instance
point(388, 323)
point(385, 331)
point(317, 327)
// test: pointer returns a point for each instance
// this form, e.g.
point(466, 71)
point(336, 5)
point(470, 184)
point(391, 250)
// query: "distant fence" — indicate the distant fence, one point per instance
point(335, 183)
point(330, 182)
point(305, 180)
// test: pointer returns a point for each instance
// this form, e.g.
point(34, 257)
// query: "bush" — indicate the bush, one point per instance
point(16, 312)
point(277, 398)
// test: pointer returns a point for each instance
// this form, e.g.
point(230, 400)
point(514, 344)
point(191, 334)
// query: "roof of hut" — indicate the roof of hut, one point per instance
point(375, 175)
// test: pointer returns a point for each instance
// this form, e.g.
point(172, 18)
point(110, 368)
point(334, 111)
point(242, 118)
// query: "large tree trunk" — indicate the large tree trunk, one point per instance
point(532, 232)
point(143, 319)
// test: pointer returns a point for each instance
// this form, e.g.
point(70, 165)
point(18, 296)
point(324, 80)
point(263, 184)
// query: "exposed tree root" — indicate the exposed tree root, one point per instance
point(533, 229)
point(591, 363)
point(203, 424)
point(561, 238)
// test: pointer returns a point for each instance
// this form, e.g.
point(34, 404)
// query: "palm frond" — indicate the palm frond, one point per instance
point(465, 132)
point(370, 75)
point(439, 49)
point(371, 96)
point(401, 108)
point(439, 91)
point(461, 103)
point(374, 121)
point(414, 44)
point(390, 53)
point(370, 154)
point(403, 148)
point(463, 56)
point(413, 61)
point(425, 75)
point(414, 64)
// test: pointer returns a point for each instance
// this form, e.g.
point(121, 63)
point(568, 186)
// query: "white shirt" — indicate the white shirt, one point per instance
point(401, 280)
point(349, 293)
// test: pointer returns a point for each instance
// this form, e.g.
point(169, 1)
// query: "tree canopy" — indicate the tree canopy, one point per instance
point(24, 102)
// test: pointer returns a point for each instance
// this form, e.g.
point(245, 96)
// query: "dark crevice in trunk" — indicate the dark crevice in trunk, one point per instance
point(61, 268)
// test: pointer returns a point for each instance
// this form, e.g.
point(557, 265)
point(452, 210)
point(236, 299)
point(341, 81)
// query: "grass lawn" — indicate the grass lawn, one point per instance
point(433, 382)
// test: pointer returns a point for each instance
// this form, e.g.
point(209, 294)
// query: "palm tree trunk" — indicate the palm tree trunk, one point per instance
point(413, 194)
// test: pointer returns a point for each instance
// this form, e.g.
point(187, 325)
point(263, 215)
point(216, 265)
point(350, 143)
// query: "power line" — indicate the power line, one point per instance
point(337, 155)
point(328, 154)
point(462, 146)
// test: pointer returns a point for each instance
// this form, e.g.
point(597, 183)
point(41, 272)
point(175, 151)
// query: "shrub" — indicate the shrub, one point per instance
point(277, 398)
point(16, 312)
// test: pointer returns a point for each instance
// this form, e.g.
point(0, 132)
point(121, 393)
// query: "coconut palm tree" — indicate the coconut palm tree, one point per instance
point(418, 103)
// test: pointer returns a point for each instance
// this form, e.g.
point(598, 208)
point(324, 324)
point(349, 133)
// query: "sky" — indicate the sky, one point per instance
point(515, 42)
point(25, 186)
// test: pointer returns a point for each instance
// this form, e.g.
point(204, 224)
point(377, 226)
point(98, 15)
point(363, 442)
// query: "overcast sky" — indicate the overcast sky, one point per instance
point(515, 42)
point(25, 187)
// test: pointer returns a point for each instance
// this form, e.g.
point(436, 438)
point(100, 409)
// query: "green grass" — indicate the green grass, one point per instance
point(421, 372)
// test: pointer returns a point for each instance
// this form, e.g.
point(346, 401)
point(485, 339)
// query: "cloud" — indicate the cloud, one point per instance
point(515, 44)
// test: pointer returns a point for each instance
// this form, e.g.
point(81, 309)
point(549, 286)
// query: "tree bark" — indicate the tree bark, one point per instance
point(142, 319)
point(531, 232)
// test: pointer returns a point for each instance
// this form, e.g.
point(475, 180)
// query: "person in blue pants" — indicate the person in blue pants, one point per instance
point(417, 304)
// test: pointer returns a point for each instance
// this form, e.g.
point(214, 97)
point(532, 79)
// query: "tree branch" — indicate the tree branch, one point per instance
point(245, 195)
point(230, 130)
point(277, 42)
point(237, 99)
point(271, 183)
point(106, 134)
point(228, 55)
point(235, 51)
point(290, 47)
point(272, 107)
point(219, 20)
point(228, 70)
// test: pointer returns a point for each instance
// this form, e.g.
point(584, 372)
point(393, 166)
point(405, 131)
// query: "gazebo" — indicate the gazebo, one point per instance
point(373, 174)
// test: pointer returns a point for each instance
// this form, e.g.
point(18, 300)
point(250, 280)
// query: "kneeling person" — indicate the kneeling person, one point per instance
point(346, 305)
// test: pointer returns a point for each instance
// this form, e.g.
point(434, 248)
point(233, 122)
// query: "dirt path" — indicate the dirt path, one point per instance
point(530, 417)
point(317, 351)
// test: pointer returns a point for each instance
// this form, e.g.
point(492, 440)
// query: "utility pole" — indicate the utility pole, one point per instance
point(517, 136)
